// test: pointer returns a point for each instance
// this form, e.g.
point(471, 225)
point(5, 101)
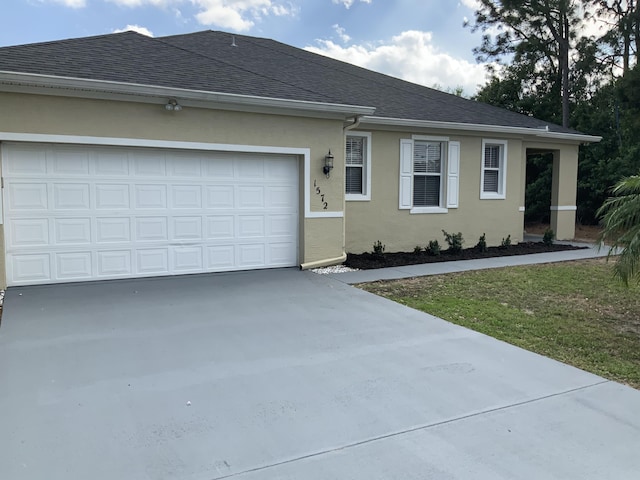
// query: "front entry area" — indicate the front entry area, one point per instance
point(79, 213)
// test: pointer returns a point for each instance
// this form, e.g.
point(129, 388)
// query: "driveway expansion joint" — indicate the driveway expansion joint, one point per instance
point(411, 430)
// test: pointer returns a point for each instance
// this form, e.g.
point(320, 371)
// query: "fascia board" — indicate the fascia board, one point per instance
point(474, 127)
point(98, 88)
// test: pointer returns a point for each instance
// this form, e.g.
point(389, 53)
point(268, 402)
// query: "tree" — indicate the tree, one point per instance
point(621, 227)
point(621, 39)
point(536, 36)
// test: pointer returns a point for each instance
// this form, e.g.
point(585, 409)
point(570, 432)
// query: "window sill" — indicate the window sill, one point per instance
point(354, 197)
point(421, 210)
point(492, 196)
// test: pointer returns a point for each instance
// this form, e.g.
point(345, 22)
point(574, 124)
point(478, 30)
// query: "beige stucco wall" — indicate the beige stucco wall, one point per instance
point(320, 238)
point(380, 219)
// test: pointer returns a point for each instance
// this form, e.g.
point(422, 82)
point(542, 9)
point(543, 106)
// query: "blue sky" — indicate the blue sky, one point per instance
point(423, 41)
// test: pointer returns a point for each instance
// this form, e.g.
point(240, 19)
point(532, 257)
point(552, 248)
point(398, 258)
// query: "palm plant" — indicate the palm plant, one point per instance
point(620, 215)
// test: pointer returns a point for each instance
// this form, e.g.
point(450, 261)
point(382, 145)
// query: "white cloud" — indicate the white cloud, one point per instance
point(472, 4)
point(341, 32)
point(139, 3)
point(72, 3)
point(239, 15)
point(349, 3)
point(411, 56)
point(135, 28)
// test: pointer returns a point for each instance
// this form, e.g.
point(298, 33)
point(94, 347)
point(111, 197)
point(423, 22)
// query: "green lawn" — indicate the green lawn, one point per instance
point(574, 312)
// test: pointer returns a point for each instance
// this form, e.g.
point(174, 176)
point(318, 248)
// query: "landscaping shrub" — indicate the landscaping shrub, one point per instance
point(548, 237)
point(482, 243)
point(433, 248)
point(454, 241)
point(417, 249)
point(506, 242)
point(378, 248)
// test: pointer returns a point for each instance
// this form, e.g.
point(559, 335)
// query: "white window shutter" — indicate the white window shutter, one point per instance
point(453, 175)
point(406, 173)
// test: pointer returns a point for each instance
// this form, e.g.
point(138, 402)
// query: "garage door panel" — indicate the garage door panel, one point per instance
point(114, 263)
point(185, 166)
point(112, 196)
point(219, 197)
point(73, 266)
point(281, 196)
point(28, 232)
point(280, 253)
point(187, 259)
point(149, 164)
point(221, 257)
point(250, 255)
point(219, 169)
point(186, 196)
point(152, 261)
point(71, 196)
point(249, 168)
point(28, 196)
point(112, 230)
point(29, 268)
point(25, 160)
point(72, 231)
point(280, 225)
point(111, 162)
point(150, 229)
point(219, 227)
point(150, 196)
point(70, 162)
point(76, 213)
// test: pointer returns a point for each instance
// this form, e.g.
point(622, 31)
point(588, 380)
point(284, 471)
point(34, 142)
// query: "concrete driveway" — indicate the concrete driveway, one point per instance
point(289, 375)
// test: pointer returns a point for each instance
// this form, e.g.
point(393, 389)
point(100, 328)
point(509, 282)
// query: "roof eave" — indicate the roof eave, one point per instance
point(476, 127)
point(157, 94)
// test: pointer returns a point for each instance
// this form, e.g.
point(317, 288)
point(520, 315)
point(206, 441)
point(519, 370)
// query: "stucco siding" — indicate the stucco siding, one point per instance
point(380, 219)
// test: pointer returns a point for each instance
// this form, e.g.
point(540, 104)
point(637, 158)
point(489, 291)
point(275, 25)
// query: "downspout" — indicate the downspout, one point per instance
point(355, 124)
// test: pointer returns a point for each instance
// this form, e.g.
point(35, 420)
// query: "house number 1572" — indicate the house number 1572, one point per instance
point(319, 192)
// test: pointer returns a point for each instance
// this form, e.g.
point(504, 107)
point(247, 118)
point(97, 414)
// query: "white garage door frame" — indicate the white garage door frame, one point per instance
point(301, 153)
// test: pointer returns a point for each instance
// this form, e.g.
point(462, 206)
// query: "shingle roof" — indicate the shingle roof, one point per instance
point(254, 66)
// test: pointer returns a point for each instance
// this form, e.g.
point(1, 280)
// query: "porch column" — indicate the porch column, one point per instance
point(563, 192)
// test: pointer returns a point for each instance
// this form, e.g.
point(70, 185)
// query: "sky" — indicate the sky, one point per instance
point(422, 41)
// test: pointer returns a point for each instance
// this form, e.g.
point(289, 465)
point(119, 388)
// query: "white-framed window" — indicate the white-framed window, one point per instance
point(358, 166)
point(429, 173)
point(428, 163)
point(493, 181)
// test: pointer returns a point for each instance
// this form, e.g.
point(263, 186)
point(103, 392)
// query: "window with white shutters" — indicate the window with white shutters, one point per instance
point(357, 177)
point(493, 169)
point(429, 174)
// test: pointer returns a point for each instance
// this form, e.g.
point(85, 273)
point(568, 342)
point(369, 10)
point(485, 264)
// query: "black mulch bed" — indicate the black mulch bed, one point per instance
point(368, 261)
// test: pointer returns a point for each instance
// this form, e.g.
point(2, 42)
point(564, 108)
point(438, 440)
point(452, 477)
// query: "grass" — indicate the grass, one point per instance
point(574, 312)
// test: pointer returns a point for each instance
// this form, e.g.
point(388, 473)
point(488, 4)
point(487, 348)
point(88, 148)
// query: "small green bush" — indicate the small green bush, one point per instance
point(548, 237)
point(482, 243)
point(454, 241)
point(417, 250)
point(506, 242)
point(378, 248)
point(433, 248)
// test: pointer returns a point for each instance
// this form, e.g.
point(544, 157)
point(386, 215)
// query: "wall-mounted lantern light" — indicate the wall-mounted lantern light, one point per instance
point(328, 164)
point(173, 105)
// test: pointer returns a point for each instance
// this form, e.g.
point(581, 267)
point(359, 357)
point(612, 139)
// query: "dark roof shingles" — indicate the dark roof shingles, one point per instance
point(255, 66)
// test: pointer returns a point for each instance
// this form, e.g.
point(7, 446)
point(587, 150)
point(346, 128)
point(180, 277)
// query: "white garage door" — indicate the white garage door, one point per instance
point(77, 213)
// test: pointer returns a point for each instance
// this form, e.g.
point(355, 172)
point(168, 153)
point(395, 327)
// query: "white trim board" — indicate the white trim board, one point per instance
point(563, 208)
point(143, 142)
